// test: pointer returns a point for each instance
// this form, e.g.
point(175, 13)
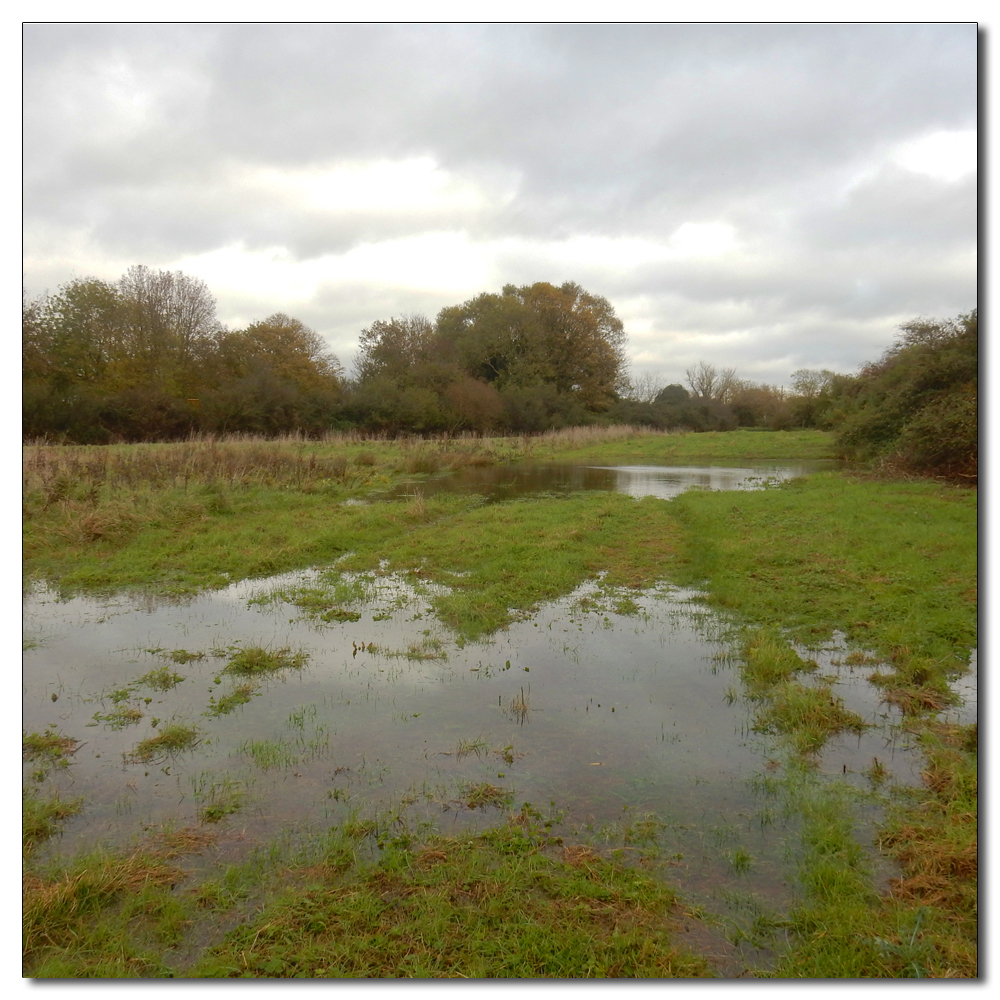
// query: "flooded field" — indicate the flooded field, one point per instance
point(609, 708)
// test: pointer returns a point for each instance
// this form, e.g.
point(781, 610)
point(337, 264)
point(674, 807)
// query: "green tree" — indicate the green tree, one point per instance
point(168, 322)
point(396, 349)
point(540, 335)
point(916, 408)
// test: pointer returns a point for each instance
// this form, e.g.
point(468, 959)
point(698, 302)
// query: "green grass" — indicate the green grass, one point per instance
point(507, 558)
point(164, 679)
point(102, 917)
point(172, 739)
point(369, 899)
point(808, 716)
point(483, 907)
point(227, 703)
point(40, 817)
point(48, 747)
point(656, 447)
point(179, 518)
point(257, 661)
point(892, 565)
point(120, 717)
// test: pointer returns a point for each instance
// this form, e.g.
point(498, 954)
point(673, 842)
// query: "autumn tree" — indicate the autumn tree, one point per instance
point(395, 349)
point(168, 321)
point(540, 335)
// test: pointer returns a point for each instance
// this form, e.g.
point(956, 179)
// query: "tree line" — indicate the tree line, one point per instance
point(146, 358)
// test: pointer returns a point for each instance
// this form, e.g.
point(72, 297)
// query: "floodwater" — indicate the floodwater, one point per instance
point(605, 709)
point(665, 481)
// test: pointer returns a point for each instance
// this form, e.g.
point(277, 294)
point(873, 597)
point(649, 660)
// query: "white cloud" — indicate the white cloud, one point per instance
point(416, 185)
point(946, 156)
point(702, 239)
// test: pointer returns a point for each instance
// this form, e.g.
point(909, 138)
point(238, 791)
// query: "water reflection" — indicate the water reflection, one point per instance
point(510, 482)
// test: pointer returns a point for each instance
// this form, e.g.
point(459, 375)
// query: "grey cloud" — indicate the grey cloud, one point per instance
point(132, 134)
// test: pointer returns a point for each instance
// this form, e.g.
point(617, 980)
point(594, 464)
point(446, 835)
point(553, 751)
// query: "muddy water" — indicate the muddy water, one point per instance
point(612, 712)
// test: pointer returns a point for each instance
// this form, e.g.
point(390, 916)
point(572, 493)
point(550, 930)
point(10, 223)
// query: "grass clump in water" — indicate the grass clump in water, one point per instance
point(808, 716)
point(479, 794)
point(256, 661)
point(268, 754)
point(173, 739)
point(48, 747)
point(120, 717)
point(163, 678)
point(240, 695)
point(40, 817)
point(768, 661)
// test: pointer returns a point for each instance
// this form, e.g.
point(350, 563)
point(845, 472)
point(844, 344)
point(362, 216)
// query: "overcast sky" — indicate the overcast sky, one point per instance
point(766, 197)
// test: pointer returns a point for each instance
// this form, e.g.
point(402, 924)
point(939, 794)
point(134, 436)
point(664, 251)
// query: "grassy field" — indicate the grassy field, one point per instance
point(891, 565)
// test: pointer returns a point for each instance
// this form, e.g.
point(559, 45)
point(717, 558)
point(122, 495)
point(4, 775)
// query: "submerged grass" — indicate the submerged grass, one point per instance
point(258, 661)
point(50, 746)
point(40, 817)
point(165, 679)
point(891, 565)
point(807, 716)
point(172, 739)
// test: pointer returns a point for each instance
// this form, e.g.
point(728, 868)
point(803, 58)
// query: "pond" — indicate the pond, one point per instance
point(611, 709)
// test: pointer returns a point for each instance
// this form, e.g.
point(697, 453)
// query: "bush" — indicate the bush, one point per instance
point(916, 409)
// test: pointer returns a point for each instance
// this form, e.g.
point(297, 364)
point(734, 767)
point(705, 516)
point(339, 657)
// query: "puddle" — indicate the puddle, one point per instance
point(508, 482)
point(612, 718)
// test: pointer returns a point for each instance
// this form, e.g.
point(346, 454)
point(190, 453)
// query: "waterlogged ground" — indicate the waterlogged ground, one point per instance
point(509, 482)
point(612, 707)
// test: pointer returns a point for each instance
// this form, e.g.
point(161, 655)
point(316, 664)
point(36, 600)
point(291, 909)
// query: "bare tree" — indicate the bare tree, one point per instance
point(645, 387)
point(707, 382)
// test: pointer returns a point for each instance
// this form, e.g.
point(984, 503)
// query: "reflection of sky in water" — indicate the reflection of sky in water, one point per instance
point(509, 482)
point(967, 688)
point(621, 715)
point(656, 481)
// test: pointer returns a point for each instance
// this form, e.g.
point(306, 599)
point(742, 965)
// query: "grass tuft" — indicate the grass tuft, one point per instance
point(169, 741)
point(257, 661)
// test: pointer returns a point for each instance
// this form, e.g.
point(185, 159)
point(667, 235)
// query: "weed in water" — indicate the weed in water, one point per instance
point(40, 817)
point(173, 739)
point(739, 860)
point(478, 746)
point(49, 747)
point(163, 678)
point(268, 754)
point(807, 715)
point(479, 794)
point(122, 716)
point(255, 661)
point(240, 695)
point(519, 708)
point(184, 656)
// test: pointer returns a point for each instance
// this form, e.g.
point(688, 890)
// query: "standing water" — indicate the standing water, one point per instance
point(613, 709)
